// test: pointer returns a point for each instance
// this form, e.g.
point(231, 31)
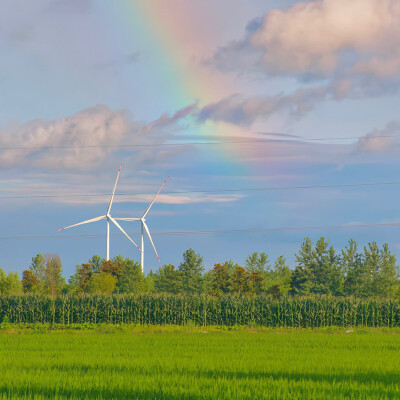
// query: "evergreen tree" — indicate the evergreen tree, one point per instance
point(191, 272)
point(258, 263)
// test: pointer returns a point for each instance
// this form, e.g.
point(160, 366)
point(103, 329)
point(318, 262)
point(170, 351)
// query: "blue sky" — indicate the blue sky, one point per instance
point(77, 74)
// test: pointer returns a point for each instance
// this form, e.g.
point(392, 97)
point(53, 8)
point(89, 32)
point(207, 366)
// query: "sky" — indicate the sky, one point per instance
point(265, 114)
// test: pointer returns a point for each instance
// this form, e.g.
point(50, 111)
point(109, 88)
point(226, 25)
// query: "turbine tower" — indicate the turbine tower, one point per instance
point(108, 218)
point(144, 227)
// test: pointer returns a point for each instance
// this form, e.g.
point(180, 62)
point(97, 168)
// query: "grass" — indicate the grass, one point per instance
point(130, 362)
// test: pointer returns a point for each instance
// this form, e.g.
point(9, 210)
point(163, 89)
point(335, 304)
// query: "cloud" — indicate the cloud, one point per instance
point(353, 44)
point(381, 140)
point(95, 126)
point(245, 111)
point(86, 139)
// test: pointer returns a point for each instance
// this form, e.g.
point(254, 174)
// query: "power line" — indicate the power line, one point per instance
point(218, 231)
point(344, 185)
point(139, 145)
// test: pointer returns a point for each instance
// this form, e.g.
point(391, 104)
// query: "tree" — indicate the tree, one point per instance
point(256, 282)
point(240, 281)
point(354, 270)
point(83, 273)
point(130, 277)
point(318, 271)
point(53, 279)
point(258, 263)
point(280, 277)
point(10, 284)
point(167, 280)
point(300, 277)
point(149, 283)
point(231, 266)
point(29, 282)
point(38, 268)
point(387, 282)
point(219, 277)
point(95, 262)
point(102, 283)
point(191, 272)
point(111, 267)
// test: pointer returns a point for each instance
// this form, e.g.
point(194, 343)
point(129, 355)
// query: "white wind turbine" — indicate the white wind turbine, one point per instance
point(108, 218)
point(144, 226)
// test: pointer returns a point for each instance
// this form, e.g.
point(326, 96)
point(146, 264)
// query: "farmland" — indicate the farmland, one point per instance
point(193, 363)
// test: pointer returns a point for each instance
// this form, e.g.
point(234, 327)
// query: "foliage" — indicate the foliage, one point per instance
point(167, 280)
point(130, 276)
point(190, 272)
point(102, 283)
point(9, 284)
point(219, 280)
point(29, 282)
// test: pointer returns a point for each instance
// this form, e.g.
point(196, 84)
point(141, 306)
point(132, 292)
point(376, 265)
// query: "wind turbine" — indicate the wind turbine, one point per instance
point(144, 227)
point(108, 218)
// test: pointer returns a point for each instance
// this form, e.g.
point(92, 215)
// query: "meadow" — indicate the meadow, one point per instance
point(131, 362)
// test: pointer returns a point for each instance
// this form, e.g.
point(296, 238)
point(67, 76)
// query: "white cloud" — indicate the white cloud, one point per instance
point(321, 37)
point(96, 126)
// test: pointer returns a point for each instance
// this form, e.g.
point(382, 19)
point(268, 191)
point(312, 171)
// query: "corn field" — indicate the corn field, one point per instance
point(204, 311)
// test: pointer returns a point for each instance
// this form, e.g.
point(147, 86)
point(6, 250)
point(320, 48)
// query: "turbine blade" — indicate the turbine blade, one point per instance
point(113, 192)
point(151, 240)
point(83, 222)
point(120, 228)
point(154, 199)
point(127, 219)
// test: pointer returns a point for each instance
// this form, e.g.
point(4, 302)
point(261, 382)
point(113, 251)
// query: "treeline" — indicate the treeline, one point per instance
point(319, 270)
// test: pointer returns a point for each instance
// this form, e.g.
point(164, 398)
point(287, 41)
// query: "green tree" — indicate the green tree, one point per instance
point(10, 284)
point(219, 280)
point(38, 268)
point(231, 266)
point(240, 281)
point(102, 283)
point(130, 277)
point(299, 283)
point(149, 283)
point(354, 270)
point(387, 282)
point(258, 263)
point(53, 279)
point(319, 270)
point(190, 272)
point(95, 262)
point(167, 280)
point(256, 283)
point(280, 278)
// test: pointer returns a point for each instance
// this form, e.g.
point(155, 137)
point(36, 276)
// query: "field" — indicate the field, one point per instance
point(189, 363)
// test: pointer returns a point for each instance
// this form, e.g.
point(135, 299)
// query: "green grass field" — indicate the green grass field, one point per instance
point(183, 363)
